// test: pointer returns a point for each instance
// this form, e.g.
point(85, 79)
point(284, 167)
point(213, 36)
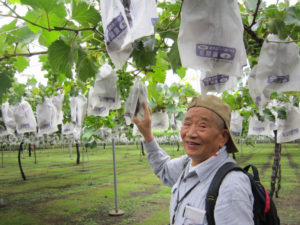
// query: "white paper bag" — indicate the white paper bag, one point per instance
point(135, 131)
point(78, 109)
point(217, 83)
point(143, 14)
point(236, 124)
point(255, 90)
point(277, 69)
point(8, 117)
point(124, 21)
point(67, 129)
point(211, 37)
point(58, 103)
point(257, 127)
point(106, 93)
point(117, 32)
point(93, 109)
point(289, 129)
point(160, 121)
point(24, 117)
point(133, 105)
point(3, 132)
point(46, 114)
point(77, 132)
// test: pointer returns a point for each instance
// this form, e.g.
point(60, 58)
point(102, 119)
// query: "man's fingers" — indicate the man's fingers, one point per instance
point(135, 119)
point(147, 109)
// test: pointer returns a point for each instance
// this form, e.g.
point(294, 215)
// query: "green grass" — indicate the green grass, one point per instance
point(58, 191)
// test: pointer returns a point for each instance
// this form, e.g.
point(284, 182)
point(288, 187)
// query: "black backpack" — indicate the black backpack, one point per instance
point(264, 209)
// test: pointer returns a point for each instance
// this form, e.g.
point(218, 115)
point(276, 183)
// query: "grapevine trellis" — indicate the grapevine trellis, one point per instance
point(74, 49)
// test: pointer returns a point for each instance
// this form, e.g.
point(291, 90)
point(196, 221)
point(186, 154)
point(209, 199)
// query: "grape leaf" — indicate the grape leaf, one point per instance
point(47, 38)
point(142, 56)
point(174, 58)
point(5, 84)
point(23, 35)
point(277, 26)
point(21, 63)
point(47, 5)
point(85, 66)
point(85, 14)
point(61, 57)
point(292, 16)
point(251, 4)
point(181, 72)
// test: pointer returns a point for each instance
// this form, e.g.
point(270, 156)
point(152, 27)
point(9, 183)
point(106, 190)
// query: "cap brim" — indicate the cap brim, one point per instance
point(231, 147)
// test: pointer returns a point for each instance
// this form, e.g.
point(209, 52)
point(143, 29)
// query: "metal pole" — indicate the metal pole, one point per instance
point(2, 148)
point(115, 212)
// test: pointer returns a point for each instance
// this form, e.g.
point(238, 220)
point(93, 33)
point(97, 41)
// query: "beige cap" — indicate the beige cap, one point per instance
point(221, 108)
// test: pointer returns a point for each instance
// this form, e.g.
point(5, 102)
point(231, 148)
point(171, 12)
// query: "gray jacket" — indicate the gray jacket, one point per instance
point(235, 201)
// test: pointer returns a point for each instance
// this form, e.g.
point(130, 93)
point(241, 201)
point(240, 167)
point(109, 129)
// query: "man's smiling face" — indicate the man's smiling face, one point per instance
point(201, 135)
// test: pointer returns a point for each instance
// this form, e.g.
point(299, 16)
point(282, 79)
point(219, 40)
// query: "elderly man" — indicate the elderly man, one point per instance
point(207, 141)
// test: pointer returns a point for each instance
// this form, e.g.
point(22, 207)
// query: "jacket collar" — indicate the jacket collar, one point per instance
point(206, 168)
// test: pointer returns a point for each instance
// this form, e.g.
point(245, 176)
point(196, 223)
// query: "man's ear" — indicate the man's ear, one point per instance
point(225, 137)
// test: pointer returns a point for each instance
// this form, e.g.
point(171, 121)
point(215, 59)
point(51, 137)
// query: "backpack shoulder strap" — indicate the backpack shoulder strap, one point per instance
point(213, 189)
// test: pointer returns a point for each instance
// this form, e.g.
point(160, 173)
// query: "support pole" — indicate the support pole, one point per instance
point(116, 211)
point(2, 148)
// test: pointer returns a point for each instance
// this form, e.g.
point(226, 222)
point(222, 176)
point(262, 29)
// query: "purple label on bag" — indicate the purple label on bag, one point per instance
point(128, 114)
point(115, 28)
point(290, 132)
point(11, 126)
point(217, 79)
point(258, 129)
point(107, 99)
point(257, 100)
point(67, 130)
point(215, 52)
point(159, 124)
point(99, 109)
point(279, 79)
point(153, 20)
point(45, 126)
point(25, 125)
point(235, 133)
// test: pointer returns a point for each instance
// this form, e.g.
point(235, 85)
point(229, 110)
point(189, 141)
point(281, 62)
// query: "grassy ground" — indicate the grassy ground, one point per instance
point(58, 191)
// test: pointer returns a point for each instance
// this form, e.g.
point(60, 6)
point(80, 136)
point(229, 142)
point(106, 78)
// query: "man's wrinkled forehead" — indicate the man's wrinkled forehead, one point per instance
point(198, 115)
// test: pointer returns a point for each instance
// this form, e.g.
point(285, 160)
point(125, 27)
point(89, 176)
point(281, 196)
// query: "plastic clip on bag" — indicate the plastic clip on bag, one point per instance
point(133, 106)
point(211, 37)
